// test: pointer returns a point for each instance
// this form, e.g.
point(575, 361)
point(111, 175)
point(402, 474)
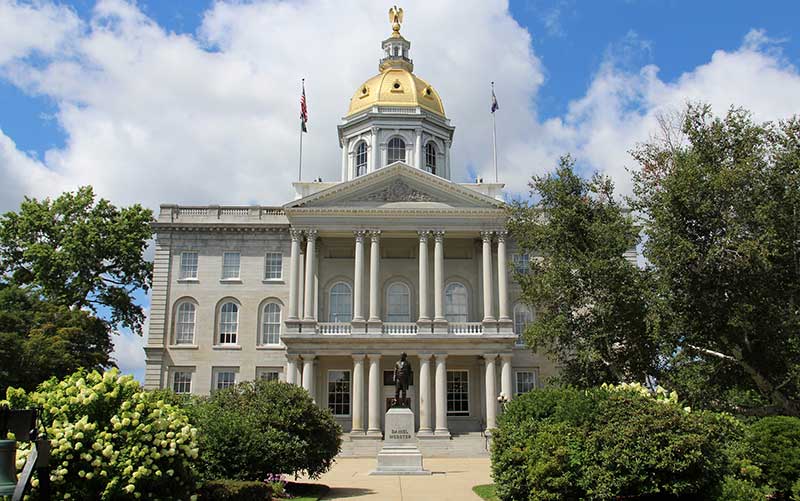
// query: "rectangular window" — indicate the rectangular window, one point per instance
point(522, 263)
point(267, 374)
point(457, 393)
point(182, 382)
point(526, 381)
point(339, 392)
point(224, 378)
point(273, 266)
point(230, 265)
point(188, 265)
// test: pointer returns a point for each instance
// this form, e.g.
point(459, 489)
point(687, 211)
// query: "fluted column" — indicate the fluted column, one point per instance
point(296, 235)
point(441, 395)
point(374, 276)
point(491, 392)
point(311, 252)
point(301, 282)
point(308, 376)
point(358, 283)
point(502, 278)
point(506, 384)
point(486, 236)
point(291, 369)
point(425, 394)
point(423, 276)
point(438, 275)
point(374, 403)
point(357, 405)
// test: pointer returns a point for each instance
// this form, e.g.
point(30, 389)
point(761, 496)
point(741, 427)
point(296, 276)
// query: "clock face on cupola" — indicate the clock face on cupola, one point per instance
point(395, 116)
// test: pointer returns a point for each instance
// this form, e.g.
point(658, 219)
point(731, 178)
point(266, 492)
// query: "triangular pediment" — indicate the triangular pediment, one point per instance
point(398, 186)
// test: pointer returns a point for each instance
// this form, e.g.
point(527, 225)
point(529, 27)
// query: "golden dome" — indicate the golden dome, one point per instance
point(396, 87)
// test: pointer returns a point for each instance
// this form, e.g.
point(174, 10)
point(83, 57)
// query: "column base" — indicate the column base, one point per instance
point(374, 326)
point(374, 434)
point(425, 433)
point(424, 326)
point(445, 433)
point(489, 325)
point(358, 326)
point(505, 326)
point(439, 326)
point(356, 434)
point(293, 326)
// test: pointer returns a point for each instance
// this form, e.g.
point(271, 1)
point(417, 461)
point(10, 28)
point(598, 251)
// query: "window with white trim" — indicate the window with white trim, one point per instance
point(184, 323)
point(188, 265)
point(273, 266)
point(457, 393)
point(339, 392)
point(396, 150)
point(361, 159)
point(430, 158)
point(523, 316)
point(522, 263)
point(230, 265)
point(271, 324)
point(182, 382)
point(268, 374)
point(228, 323)
point(398, 303)
point(341, 303)
point(224, 378)
point(525, 382)
point(456, 303)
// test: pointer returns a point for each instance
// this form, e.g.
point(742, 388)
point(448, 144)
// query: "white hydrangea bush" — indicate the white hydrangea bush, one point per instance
point(111, 439)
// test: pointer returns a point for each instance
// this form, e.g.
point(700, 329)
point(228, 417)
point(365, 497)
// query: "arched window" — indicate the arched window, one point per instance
point(455, 303)
point(397, 150)
point(398, 303)
point(523, 316)
point(430, 158)
point(228, 323)
point(361, 159)
point(184, 323)
point(271, 324)
point(341, 309)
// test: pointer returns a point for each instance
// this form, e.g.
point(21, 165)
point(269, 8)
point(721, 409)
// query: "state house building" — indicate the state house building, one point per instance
point(327, 290)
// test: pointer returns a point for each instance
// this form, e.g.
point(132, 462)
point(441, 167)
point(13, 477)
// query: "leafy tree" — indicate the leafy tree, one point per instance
point(722, 209)
point(79, 253)
point(591, 302)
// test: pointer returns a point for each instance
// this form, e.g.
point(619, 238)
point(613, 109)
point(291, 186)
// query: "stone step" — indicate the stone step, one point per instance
point(464, 445)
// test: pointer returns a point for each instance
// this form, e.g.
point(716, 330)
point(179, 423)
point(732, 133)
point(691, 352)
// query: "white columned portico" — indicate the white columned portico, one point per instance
point(491, 392)
point(358, 283)
point(486, 236)
point(438, 276)
point(374, 404)
point(425, 394)
point(441, 395)
point(502, 279)
point(506, 384)
point(291, 369)
point(423, 277)
point(308, 375)
point(374, 277)
point(358, 395)
point(296, 235)
point(311, 253)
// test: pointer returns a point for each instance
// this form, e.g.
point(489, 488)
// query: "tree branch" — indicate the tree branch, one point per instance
point(712, 353)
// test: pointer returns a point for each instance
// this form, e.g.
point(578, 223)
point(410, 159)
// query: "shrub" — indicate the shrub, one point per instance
point(775, 445)
point(608, 442)
point(111, 439)
point(234, 490)
point(257, 428)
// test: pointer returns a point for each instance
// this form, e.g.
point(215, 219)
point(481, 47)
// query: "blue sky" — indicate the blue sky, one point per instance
point(196, 102)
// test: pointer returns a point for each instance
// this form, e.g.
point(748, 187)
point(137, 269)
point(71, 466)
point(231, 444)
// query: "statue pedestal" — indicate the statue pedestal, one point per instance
point(400, 454)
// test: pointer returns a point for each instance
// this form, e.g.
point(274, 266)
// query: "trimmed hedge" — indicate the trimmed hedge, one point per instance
point(235, 490)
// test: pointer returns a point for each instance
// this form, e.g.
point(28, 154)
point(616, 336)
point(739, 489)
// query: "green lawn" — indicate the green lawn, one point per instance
point(306, 492)
point(486, 492)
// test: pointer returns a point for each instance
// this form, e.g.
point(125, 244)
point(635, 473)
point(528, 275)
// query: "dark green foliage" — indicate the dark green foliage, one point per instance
point(558, 444)
point(234, 490)
point(256, 428)
point(775, 446)
point(591, 303)
point(40, 340)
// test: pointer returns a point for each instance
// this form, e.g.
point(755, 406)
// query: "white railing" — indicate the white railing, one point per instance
point(192, 211)
point(465, 328)
point(399, 328)
point(234, 211)
point(333, 328)
point(398, 110)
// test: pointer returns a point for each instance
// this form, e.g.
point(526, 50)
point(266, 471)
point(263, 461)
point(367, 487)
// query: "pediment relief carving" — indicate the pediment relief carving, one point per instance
point(397, 191)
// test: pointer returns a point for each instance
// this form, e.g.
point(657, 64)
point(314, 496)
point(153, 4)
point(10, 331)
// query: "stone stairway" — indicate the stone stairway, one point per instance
point(462, 445)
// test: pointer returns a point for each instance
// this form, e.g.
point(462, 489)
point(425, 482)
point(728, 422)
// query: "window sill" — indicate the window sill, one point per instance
point(188, 281)
point(273, 281)
point(230, 280)
point(224, 347)
point(183, 347)
point(270, 347)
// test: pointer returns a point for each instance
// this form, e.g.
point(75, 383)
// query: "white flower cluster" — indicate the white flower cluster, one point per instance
point(659, 394)
point(111, 439)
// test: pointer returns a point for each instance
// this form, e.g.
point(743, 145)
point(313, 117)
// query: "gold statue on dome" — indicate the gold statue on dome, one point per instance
point(396, 18)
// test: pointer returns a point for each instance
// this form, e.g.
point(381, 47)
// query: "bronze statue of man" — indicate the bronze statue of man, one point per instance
point(402, 378)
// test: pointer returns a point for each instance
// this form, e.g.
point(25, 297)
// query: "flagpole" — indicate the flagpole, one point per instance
point(494, 141)
point(300, 167)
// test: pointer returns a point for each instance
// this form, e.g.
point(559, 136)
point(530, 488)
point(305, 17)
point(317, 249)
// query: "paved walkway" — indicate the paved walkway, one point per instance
point(452, 479)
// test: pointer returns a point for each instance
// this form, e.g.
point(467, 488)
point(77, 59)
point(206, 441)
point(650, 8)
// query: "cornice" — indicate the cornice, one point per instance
point(230, 227)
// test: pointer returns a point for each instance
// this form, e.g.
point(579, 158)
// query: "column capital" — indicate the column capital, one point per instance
point(424, 356)
point(489, 357)
point(374, 356)
point(438, 235)
point(441, 356)
point(506, 357)
point(486, 235)
point(308, 357)
point(423, 235)
point(311, 234)
point(292, 357)
point(501, 235)
point(358, 357)
point(375, 235)
point(359, 234)
point(296, 234)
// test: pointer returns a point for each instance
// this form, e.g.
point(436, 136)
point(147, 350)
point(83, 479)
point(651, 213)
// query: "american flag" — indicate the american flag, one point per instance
point(495, 106)
point(303, 109)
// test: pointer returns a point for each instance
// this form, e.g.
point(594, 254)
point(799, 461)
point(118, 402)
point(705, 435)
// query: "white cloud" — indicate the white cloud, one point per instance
point(129, 351)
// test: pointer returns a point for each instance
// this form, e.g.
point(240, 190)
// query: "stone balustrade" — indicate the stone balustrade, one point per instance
point(399, 328)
